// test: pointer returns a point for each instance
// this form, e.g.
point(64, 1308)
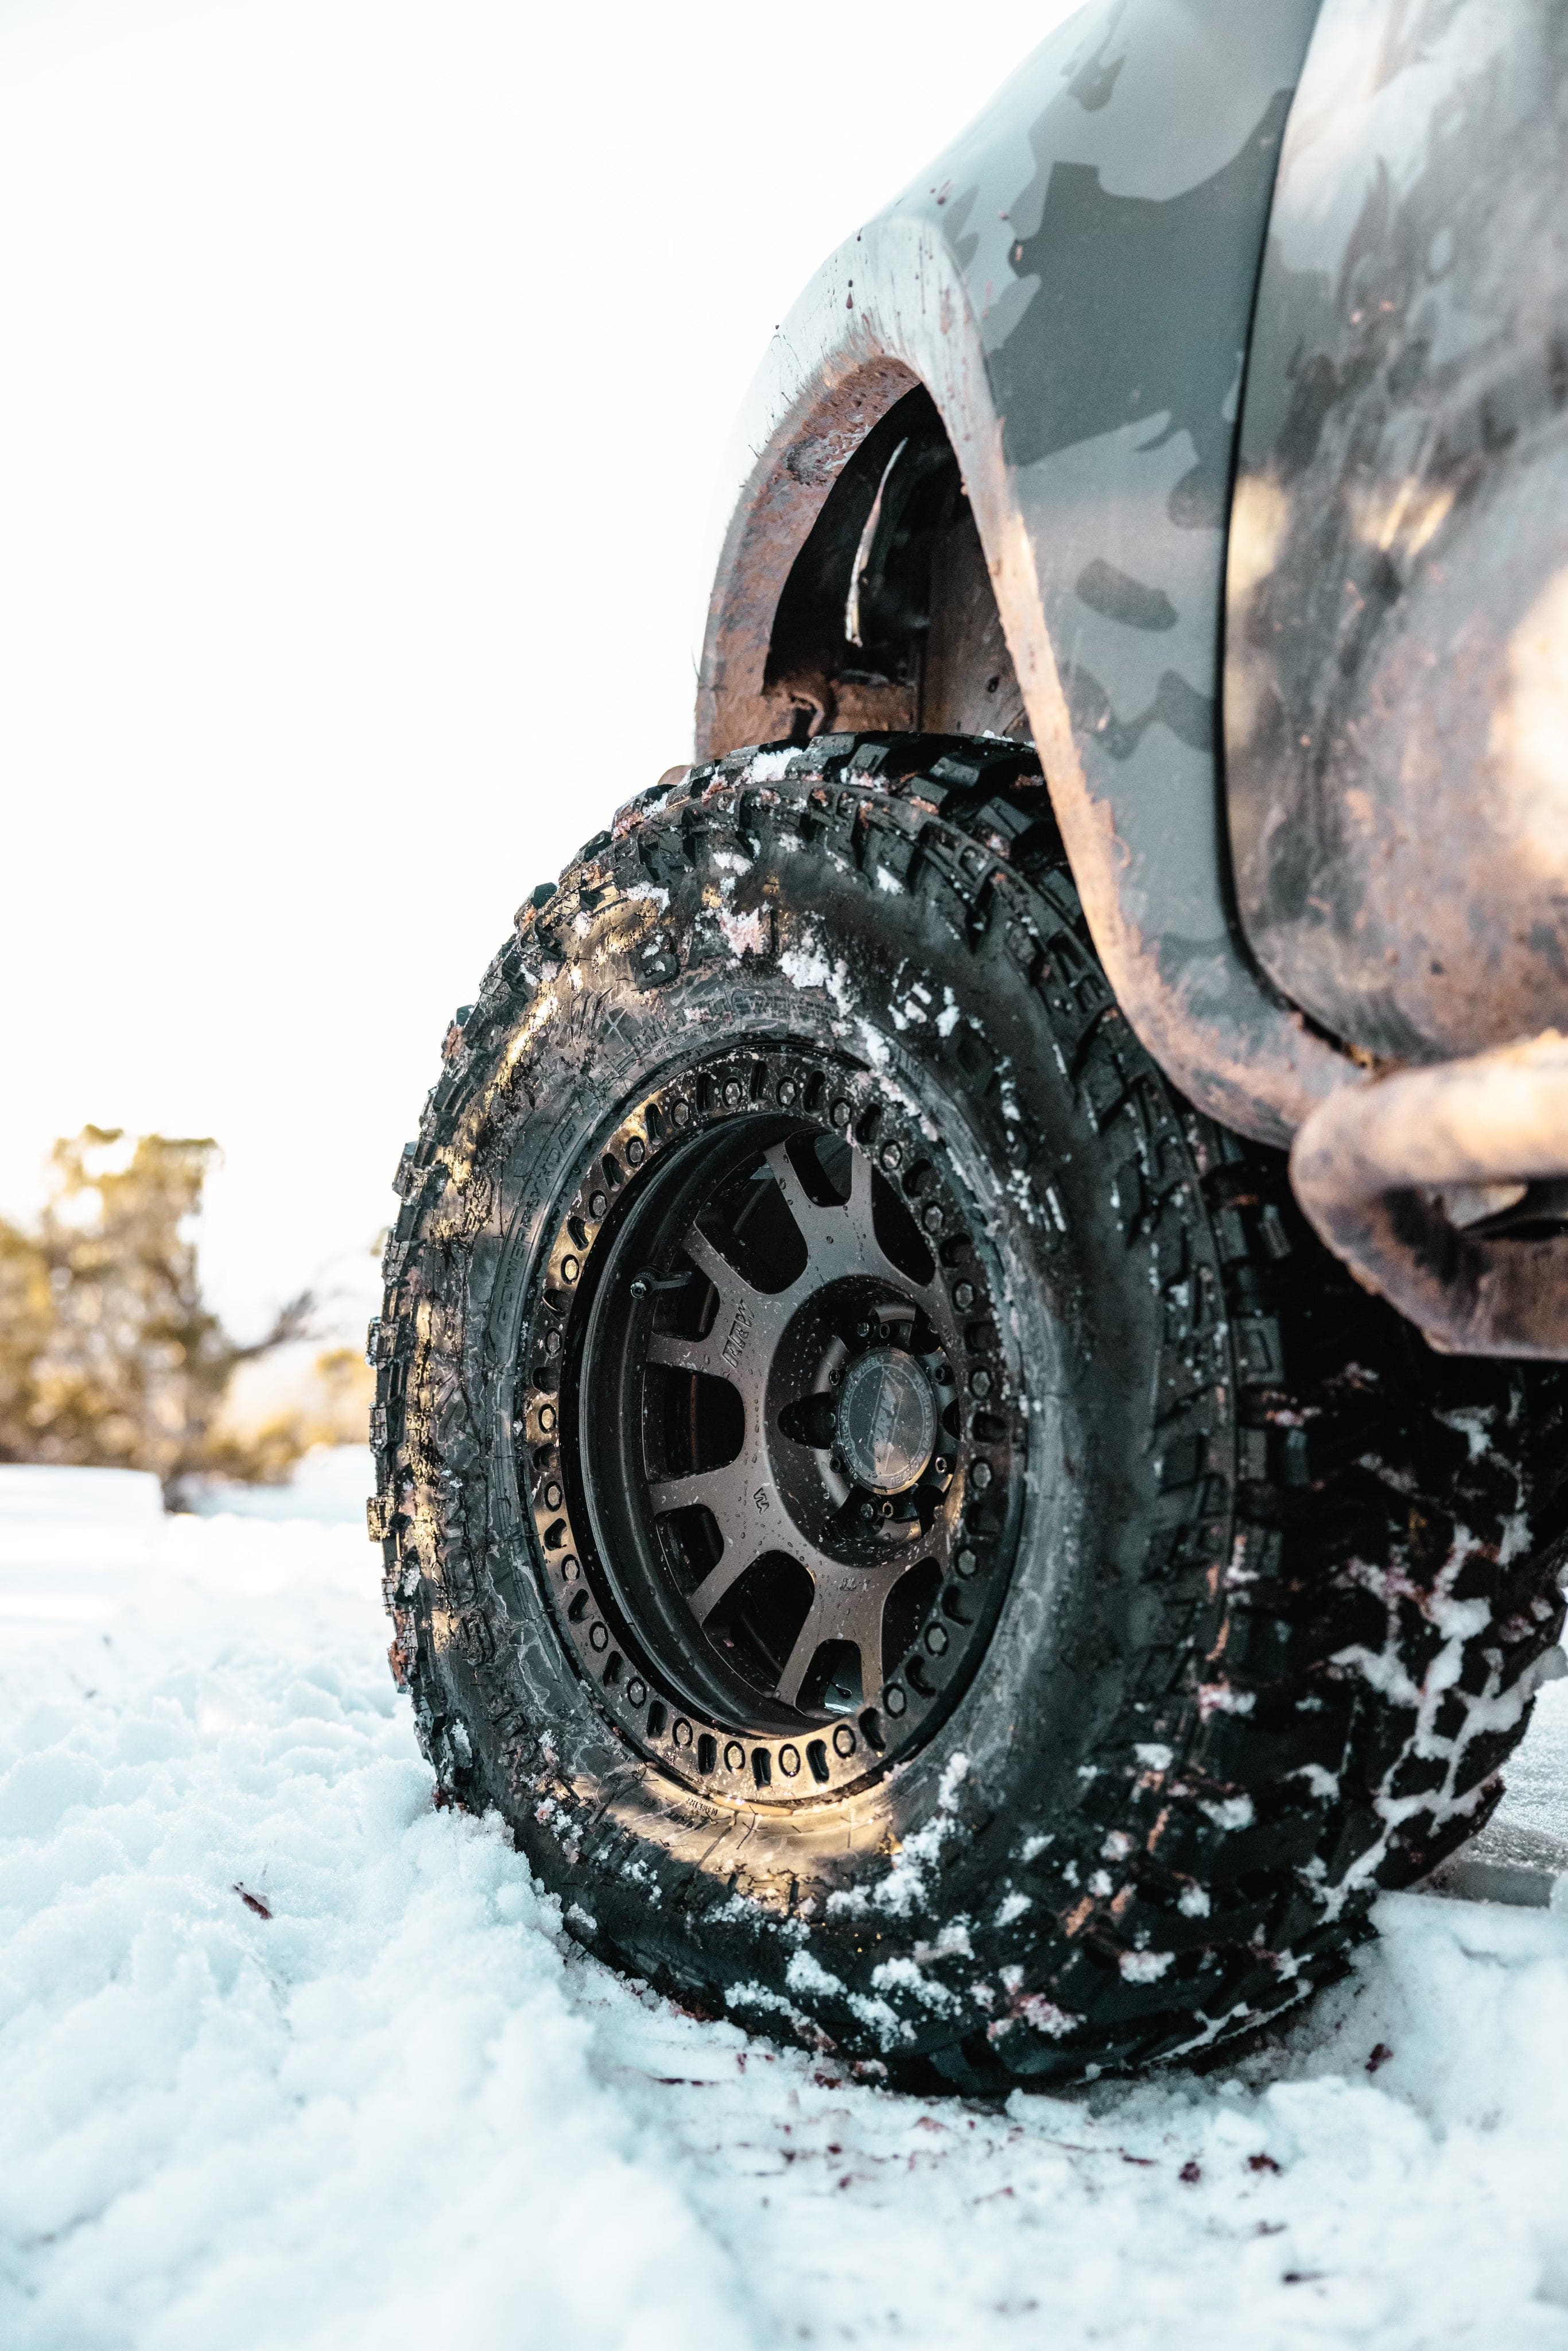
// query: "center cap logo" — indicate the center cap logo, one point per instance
point(887, 1420)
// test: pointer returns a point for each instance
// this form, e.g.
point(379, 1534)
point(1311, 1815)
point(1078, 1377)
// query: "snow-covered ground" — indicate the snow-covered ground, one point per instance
point(289, 2058)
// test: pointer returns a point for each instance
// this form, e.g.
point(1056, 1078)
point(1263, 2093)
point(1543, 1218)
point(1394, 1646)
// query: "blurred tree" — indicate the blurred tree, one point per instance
point(109, 1357)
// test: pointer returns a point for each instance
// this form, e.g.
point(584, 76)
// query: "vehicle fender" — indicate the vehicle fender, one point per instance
point(1073, 281)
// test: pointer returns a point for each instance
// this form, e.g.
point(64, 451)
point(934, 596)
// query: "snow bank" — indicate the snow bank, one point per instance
point(288, 2058)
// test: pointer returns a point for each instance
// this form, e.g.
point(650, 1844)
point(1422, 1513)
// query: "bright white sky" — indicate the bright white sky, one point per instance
point(368, 366)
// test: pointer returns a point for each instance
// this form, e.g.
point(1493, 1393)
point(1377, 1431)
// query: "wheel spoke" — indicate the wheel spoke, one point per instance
point(723, 1491)
point(845, 1607)
point(808, 1215)
point(807, 1641)
point(725, 1278)
point(845, 1232)
point(721, 1579)
point(678, 1354)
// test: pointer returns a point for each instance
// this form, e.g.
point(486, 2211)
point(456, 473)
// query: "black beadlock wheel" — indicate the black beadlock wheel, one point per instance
point(893, 1507)
point(750, 1406)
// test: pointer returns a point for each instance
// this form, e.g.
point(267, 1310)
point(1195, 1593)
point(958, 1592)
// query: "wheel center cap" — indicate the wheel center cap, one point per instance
point(886, 1426)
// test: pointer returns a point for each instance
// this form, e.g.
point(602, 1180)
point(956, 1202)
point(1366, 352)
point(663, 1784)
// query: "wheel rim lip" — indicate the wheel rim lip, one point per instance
point(701, 1729)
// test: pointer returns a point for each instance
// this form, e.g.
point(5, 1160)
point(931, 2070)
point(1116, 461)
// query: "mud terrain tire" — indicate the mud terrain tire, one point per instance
point(1236, 1596)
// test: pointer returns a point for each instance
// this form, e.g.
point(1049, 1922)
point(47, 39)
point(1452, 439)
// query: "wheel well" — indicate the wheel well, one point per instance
point(888, 618)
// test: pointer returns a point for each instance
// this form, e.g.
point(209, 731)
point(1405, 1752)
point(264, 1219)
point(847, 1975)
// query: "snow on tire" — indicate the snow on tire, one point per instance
point(922, 1548)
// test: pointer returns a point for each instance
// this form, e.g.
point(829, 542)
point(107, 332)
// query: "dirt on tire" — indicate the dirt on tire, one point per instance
point(1283, 1582)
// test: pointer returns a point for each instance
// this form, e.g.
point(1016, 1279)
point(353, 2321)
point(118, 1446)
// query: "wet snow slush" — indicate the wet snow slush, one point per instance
point(287, 2057)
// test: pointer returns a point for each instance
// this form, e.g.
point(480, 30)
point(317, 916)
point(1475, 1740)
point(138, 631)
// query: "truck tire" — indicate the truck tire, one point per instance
point(921, 1547)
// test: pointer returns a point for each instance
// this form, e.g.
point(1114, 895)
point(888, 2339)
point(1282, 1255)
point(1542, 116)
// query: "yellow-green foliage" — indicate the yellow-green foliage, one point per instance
point(109, 1354)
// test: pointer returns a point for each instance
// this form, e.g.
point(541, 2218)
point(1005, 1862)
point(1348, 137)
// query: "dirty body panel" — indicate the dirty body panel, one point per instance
point(1072, 283)
point(1397, 684)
